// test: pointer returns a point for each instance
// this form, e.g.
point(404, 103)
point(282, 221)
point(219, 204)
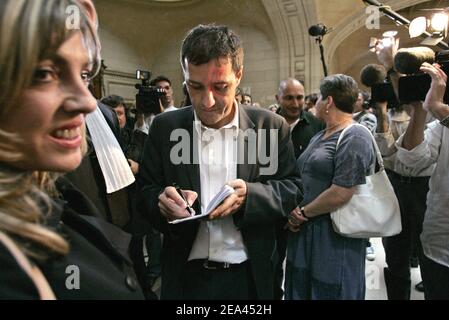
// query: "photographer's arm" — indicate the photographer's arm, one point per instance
point(382, 117)
point(384, 136)
point(434, 99)
point(394, 79)
point(418, 148)
point(385, 55)
point(440, 112)
point(414, 135)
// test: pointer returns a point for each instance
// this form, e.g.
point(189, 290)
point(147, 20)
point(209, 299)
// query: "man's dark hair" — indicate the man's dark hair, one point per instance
point(313, 97)
point(366, 103)
point(343, 89)
point(365, 95)
point(159, 79)
point(113, 101)
point(207, 42)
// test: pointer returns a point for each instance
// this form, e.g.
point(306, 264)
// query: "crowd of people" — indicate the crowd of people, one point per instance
point(92, 192)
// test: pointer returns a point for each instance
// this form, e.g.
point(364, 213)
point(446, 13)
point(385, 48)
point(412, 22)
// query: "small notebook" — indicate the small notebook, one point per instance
point(225, 192)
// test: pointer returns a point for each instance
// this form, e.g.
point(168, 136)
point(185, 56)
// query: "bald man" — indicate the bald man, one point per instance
point(303, 125)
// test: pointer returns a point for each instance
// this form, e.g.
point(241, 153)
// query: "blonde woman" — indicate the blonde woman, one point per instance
point(44, 70)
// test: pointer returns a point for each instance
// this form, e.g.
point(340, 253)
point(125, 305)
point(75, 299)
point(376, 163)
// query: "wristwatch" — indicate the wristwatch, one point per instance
point(445, 122)
point(303, 213)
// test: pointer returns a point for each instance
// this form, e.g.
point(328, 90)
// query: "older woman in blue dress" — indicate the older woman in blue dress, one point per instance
point(322, 264)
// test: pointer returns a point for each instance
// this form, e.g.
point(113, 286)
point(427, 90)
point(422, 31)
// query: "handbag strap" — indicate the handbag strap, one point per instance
point(35, 274)
point(376, 148)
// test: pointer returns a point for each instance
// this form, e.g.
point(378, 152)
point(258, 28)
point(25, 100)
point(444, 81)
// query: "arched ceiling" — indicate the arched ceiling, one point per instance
point(147, 24)
point(352, 53)
point(331, 13)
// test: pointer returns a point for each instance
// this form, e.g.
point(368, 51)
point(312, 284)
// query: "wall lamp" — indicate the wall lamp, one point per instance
point(437, 25)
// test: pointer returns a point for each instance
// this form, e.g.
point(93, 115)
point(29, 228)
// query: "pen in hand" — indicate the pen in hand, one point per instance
point(179, 191)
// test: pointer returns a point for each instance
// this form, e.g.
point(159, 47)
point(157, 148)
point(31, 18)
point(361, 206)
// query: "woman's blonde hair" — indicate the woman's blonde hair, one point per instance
point(31, 31)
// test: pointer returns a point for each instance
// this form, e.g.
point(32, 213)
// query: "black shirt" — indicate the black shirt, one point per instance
point(96, 267)
point(305, 129)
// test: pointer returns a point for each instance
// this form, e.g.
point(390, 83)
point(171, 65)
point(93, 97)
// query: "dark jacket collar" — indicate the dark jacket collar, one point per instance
point(303, 116)
point(80, 214)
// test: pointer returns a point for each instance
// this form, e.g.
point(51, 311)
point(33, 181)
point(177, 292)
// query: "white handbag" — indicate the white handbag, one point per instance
point(373, 210)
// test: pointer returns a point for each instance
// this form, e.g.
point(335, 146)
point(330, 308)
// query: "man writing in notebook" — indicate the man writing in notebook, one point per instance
point(228, 254)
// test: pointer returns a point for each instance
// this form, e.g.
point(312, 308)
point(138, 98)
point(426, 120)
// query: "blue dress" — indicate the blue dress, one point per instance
point(321, 264)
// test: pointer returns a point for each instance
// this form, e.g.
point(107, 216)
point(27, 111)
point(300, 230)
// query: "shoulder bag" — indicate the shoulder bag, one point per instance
point(373, 210)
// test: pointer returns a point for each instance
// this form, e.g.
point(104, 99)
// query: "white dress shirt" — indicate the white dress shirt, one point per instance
point(294, 124)
point(434, 149)
point(218, 240)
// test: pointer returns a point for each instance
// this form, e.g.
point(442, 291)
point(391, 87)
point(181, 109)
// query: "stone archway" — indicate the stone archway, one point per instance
point(298, 54)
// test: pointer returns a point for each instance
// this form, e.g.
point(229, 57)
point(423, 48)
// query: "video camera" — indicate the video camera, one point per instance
point(415, 85)
point(147, 99)
point(375, 77)
point(384, 92)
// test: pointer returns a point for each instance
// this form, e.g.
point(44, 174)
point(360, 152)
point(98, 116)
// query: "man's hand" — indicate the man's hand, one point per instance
point(140, 120)
point(134, 166)
point(385, 55)
point(232, 203)
point(171, 204)
point(434, 97)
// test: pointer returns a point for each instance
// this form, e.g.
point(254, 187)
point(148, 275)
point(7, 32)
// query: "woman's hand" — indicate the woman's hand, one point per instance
point(295, 219)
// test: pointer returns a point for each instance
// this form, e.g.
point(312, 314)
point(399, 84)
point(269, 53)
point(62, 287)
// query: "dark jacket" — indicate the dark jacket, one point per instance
point(269, 197)
point(111, 119)
point(98, 254)
point(88, 178)
point(307, 127)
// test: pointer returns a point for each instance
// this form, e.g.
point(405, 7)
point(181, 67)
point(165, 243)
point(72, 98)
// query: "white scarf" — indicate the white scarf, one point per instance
point(114, 166)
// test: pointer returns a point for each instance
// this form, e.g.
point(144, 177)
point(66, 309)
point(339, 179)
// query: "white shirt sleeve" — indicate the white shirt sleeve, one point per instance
point(426, 153)
point(386, 143)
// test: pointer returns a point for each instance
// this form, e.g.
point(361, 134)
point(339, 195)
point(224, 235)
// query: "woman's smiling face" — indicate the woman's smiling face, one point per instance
point(49, 115)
